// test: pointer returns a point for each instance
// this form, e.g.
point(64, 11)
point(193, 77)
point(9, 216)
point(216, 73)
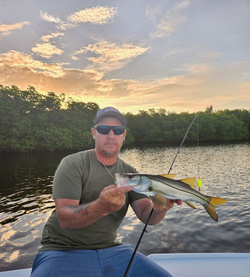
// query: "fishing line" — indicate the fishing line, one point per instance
point(198, 181)
point(182, 144)
point(146, 224)
point(198, 146)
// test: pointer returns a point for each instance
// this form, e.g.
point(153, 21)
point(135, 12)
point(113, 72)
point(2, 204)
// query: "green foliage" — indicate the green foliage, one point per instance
point(31, 121)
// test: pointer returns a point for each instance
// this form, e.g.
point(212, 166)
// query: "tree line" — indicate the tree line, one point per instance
point(31, 121)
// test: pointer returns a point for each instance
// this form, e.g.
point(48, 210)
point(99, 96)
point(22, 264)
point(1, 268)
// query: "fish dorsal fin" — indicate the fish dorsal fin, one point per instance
point(169, 176)
point(189, 181)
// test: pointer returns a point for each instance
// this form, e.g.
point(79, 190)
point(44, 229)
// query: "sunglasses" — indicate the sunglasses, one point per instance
point(104, 129)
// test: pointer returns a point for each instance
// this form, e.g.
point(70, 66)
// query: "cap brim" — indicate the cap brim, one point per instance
point(114, 114)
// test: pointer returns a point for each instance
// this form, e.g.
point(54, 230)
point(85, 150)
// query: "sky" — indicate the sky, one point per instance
point(181, 56)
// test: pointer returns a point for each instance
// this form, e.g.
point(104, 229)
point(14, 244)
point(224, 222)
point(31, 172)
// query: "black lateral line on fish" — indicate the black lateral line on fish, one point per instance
point(182, 190)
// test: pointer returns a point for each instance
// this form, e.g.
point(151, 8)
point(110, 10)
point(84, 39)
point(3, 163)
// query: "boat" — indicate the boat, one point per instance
point(16, 273)
point(187, 265)
point(205, 264)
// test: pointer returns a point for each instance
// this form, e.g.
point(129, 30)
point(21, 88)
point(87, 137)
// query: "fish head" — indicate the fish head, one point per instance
point(136, 181)
point(126, 180)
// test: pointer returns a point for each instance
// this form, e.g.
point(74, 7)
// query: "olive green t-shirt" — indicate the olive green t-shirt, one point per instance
point(82, 177)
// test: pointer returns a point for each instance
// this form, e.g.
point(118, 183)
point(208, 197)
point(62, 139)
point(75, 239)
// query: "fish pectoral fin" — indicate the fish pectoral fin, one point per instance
point(190, 204)
point(169, 176)
point(160, 200)
point(189, 181)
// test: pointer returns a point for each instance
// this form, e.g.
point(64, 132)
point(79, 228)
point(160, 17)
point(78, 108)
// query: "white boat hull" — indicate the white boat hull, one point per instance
point(16, 273)
point(205, 264)
point(187, 265)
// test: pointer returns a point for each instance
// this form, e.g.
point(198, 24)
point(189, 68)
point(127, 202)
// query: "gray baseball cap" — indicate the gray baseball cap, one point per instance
point(109, 111)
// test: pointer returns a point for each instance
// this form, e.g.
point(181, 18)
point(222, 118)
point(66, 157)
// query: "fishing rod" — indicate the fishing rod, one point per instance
point(146, 224)
point(138, 243)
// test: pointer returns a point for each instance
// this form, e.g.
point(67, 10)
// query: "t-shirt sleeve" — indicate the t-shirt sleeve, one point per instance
point(67, 183)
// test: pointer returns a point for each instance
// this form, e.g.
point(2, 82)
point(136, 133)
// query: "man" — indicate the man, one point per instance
point(79, 237)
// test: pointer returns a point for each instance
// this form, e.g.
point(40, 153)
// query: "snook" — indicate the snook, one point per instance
point(160, 187)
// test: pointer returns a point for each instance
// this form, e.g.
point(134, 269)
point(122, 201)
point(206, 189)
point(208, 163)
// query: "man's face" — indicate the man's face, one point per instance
point(109, 144)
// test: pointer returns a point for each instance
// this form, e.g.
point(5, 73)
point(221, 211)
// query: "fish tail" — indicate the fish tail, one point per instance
point(214, 201)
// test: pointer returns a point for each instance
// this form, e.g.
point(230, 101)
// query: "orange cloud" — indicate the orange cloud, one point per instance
point(96, 15)
point(6, 29)
point(111, 56)
point(18, 61)
point(47, 38)
point(112, 52)
point(191, 92)
point(46, 50)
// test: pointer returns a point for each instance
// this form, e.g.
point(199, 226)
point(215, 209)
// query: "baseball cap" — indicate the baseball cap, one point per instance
point(109, 111)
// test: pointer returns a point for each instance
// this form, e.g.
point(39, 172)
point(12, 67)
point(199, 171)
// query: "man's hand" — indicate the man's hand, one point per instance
point(142, 208)
point(112, 198)
point(71, 215)
point(169, 204)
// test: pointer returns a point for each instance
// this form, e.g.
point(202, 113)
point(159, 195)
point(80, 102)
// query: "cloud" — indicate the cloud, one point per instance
point(51, 36)
point(244, 95)
point(66, 25)
point(180, 51)
point(6, 29)
point(181, 5)
point(197, 69)
point(189, 92)
point(172, 93)
point(19, 61)
point(111, 56)
point(208, 56)
point(46, 50)
point(22, 70)
point(96, 15)
point(76, 53)
point(112, 52)
point(170, 21)
point(49, 18)
point(176, 93)
point(154, 11)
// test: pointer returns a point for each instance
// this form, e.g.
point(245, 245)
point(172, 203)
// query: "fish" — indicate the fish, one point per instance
point(163, 186)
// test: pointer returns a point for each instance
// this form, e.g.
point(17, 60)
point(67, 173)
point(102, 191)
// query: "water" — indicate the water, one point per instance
point(26, 202)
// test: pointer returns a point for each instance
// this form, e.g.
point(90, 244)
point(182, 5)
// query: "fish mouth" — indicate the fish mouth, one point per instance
point(128, 175)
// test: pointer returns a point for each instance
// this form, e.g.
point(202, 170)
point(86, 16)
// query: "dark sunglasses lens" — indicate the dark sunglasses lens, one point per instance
point(104, 130)
point(118, 130)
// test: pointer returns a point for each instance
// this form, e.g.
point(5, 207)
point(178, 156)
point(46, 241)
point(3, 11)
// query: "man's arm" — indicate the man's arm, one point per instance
point(71, 215)
point(142, 208)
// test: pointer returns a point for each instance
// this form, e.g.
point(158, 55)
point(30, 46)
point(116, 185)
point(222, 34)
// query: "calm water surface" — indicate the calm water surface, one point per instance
point(26, 202)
